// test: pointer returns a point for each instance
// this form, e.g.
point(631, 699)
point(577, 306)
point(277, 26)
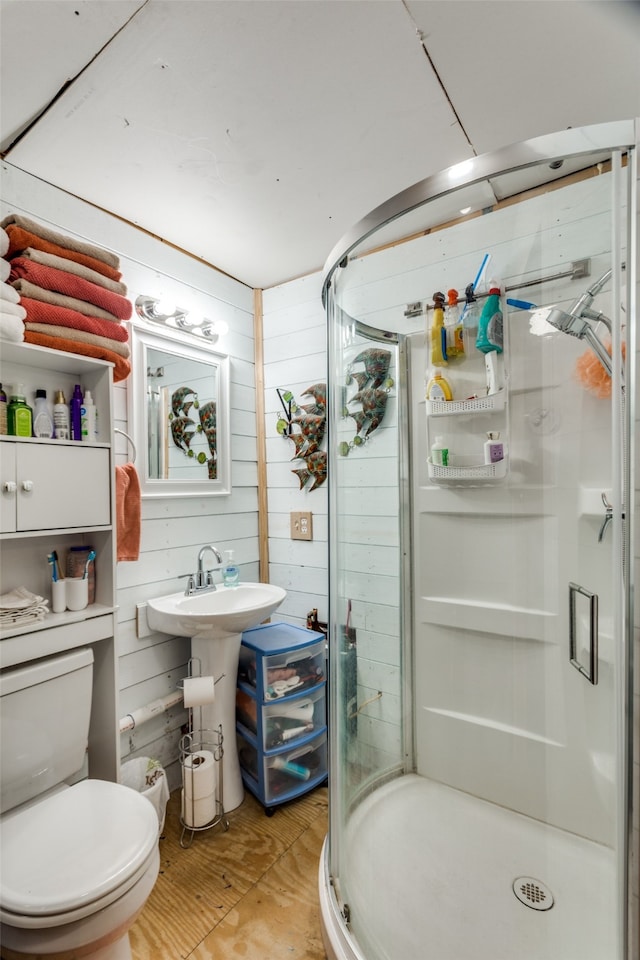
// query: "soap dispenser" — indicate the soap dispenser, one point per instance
point(230, 572)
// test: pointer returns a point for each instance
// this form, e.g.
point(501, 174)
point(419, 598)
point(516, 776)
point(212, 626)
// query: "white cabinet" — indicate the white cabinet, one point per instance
point(55, 494)
point(47, 485)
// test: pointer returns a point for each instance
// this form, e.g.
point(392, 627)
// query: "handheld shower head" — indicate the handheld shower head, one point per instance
point(575, 322)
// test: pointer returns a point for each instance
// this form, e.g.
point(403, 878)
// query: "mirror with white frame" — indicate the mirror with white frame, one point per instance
point(179, 411)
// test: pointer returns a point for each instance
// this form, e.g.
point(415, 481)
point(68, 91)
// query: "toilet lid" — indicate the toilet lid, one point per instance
point(73, 847)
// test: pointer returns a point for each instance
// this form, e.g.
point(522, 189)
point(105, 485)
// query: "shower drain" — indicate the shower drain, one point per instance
point(532, 893)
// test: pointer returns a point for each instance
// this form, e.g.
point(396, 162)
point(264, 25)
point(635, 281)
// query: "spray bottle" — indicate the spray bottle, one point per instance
point(490, 336)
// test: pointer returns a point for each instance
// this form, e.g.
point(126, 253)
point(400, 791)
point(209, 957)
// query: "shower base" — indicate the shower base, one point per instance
point(431, 874)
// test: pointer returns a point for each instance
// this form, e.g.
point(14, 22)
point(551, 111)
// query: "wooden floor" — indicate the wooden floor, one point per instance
point(250, 893)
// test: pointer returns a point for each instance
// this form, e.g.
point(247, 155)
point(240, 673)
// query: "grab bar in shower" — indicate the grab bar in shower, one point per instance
point(575, 590)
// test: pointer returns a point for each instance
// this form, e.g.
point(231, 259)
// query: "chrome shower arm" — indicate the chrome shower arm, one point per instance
point(598, 348)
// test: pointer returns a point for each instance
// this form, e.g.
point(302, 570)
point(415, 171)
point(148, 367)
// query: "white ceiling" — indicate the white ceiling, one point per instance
point(255, 133)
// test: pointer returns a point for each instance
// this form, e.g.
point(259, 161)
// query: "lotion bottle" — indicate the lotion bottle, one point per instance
point(493, 449)
point(42, 419)
point(61, 416)
point(230, 572)
point(88, 419)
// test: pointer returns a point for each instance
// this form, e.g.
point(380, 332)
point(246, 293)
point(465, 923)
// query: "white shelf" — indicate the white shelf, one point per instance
point(493, 401)
point(467, 475)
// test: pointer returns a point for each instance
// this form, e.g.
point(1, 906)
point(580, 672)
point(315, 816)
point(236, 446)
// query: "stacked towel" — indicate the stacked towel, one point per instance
point(12, 313)
point(20, 606)
point(70, 291)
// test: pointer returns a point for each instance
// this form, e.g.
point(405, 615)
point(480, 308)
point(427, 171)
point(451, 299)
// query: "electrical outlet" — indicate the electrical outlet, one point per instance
point(301, 525)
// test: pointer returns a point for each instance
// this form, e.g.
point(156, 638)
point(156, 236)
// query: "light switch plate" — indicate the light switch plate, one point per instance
point(142, 627)
point(301, 525)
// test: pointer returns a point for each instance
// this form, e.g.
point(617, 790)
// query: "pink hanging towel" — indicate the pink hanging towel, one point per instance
point(128, 512)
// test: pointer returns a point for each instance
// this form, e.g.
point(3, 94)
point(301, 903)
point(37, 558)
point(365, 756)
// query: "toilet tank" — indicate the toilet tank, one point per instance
point(45, 707)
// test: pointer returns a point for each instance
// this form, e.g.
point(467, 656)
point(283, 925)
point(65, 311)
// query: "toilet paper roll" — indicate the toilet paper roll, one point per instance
point(199, 775)
point(198, 691)
point(197, 813)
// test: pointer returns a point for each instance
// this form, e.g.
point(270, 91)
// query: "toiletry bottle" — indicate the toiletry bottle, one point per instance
point(3, 412)
point(19, 413)
point(230, 572)
point(438, 388)
point(42, 419)
point(493, 449)
point(88, 419)
point(61, 417)
point(438, 333)
point(439, 453)
point(490, 324)
point(453, 326)
point(75, 408)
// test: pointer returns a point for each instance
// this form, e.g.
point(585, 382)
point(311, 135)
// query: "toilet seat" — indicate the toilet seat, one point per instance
point(73, 853)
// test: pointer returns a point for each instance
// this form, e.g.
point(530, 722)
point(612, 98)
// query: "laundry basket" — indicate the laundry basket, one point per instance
point(147, 776)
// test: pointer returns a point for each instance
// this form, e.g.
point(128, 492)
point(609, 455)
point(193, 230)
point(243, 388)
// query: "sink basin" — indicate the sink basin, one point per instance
point(227, 610)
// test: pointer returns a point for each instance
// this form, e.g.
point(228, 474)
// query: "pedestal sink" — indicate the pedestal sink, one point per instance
point(215, 619)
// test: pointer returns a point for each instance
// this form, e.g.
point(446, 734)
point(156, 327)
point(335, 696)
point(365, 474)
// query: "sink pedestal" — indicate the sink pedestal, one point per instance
point(220, 660)
point(215, 619)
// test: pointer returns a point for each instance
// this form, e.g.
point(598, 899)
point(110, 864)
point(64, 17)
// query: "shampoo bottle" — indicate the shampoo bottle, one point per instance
point(19, 413)
point(230, 572)
point(438, 388)
point(61, 417)
point(42, 419)
point(88, 419)
point(76, 413)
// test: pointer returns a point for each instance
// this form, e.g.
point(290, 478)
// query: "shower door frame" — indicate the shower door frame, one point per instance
point(618, 136)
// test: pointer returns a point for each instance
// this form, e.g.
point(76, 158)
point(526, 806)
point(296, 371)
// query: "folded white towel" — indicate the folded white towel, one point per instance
point(11, 328)
point(7, 292)
point(19, 599)
point(5, 270)
point(15, 309)
point(20, 606)
point(4, 241)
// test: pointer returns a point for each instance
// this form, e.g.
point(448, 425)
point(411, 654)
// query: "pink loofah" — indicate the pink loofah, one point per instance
point(592, 375)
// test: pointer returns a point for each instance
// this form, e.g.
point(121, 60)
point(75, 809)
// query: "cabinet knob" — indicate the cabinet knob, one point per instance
point(9, 486)
point(27, 485)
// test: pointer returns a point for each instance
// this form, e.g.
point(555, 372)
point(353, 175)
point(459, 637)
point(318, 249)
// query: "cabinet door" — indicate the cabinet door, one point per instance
point(7, 488)
point(62, 486)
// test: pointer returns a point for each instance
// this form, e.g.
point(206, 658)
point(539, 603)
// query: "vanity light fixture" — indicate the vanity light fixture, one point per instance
point(158, 311)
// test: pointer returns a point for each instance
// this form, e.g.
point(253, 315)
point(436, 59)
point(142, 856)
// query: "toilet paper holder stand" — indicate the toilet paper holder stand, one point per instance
point(201, 752)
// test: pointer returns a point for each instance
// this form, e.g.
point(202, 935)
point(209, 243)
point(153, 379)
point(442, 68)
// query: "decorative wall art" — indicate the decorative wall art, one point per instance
point(304, 425)
point(184, 428)
point(372, 385)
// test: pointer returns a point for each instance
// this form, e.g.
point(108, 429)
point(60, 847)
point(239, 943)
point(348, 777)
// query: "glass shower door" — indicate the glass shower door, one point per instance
point(497, 825)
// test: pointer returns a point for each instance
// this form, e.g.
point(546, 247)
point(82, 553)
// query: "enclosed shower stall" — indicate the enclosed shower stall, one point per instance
point(482, 402)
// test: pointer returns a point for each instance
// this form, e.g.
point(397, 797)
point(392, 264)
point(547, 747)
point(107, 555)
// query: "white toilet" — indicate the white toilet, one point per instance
point(77, 863)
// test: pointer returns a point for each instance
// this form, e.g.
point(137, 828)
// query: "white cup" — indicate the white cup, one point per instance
point(58, 596)
point(77, 593)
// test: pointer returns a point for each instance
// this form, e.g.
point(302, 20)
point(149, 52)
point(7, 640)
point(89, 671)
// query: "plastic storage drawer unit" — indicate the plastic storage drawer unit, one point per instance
point(281, 711)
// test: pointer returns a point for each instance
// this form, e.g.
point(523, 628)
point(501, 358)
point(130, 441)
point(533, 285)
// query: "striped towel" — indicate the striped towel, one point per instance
point(20, 239)
point(63, 263)
point(52, 236)
point(27, 289)
point(60, 281)
point(39, 312)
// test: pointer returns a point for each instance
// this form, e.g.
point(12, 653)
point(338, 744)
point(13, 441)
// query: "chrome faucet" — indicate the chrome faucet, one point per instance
point(203, 577)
